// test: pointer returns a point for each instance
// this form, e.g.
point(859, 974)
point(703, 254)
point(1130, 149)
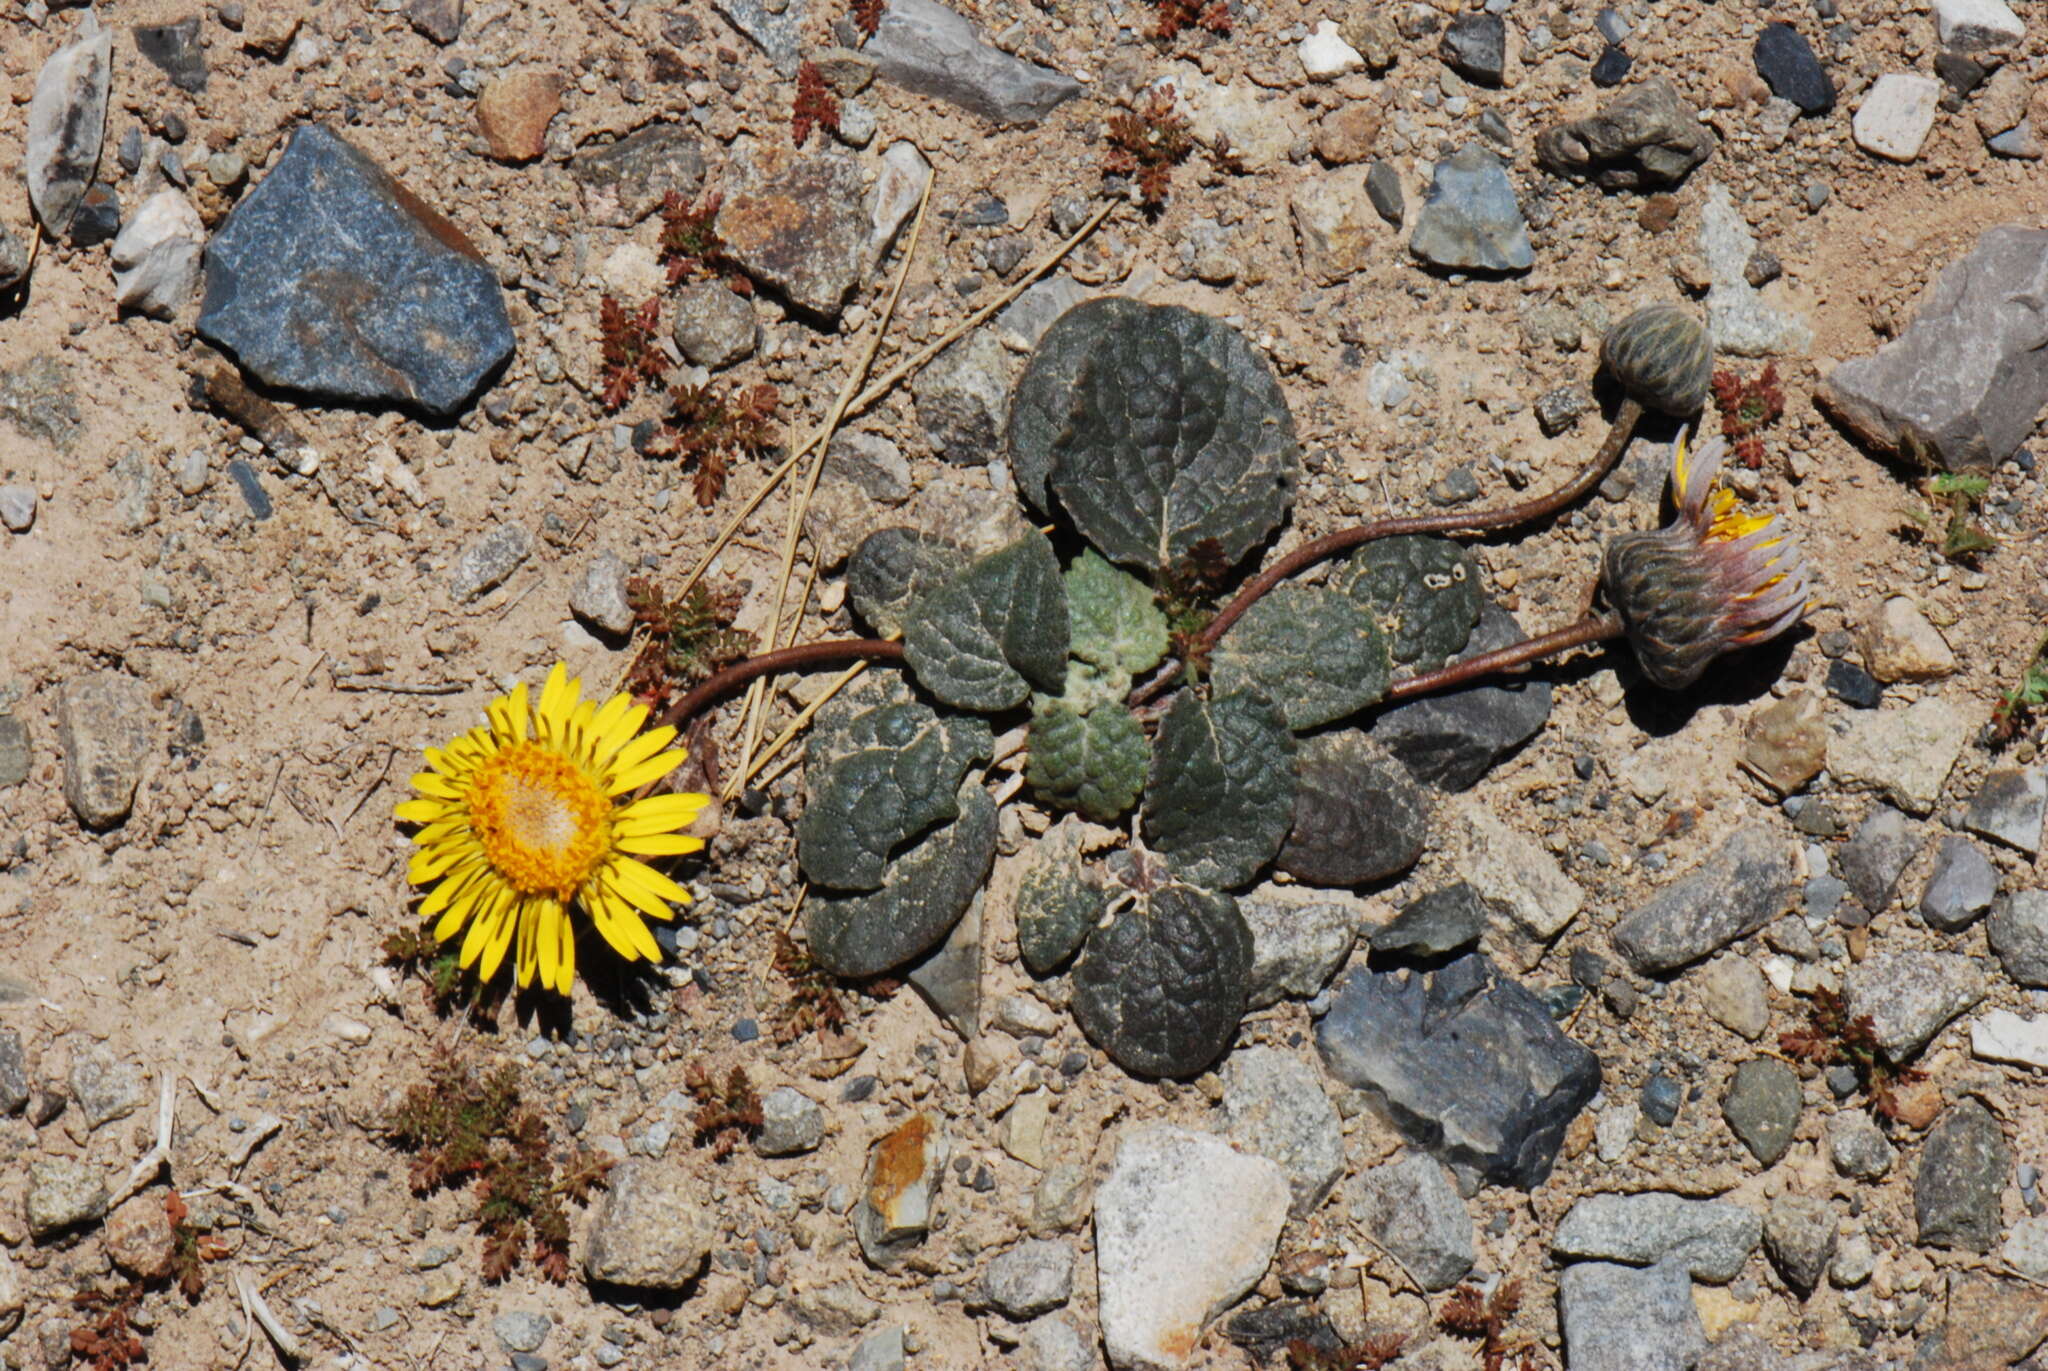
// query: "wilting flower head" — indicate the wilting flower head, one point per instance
point(1710, 581)
point(520, 820)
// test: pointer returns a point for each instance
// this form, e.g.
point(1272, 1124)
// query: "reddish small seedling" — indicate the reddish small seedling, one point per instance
point(691, 247)
point(1373, 1354)
point(1833, 1037)
point(688, 637)
point(727, 1114)
point(1174, 16)
point(629, 351)
point(711, 426)
point(1747, 407)
point(867, 16)
point(191, 1248)
point(1147, 143)
point(107, 1341)
point(816, 106)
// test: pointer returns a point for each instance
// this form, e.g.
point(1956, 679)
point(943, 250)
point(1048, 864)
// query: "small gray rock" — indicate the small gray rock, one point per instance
point(13, 1073)
point(1708, 1239)
point(1799, 1233)
point(1274, 1106)
point(881, 1350)
point(1963, 1168)
point(714, 324)
point(440, 20)
point(927, 49)
point(18, 508)
point(1557, 410)
point(105, 730)
point(105, 1087)
point(1735, 892)
point(63, 1193)
point(870, 464)
point(652, 1232)
point(67, 122)
point(791, 1123)
point(1433, 924)
point(1624, 1318)
point(776, 29)
point(1961, 886)
point(1052, 1344)
point(1911, 996)
point(1762, 1106)
point(1732, 992)
point(1475, 46)
point(1873, 860)
point(1470, 220)
point(1859, 1147)
point(1645, 138)
point(1031, 1278)
point(521, 1330)
point(963, 398)
point(599, 595)
point(2009, 808)
point(626, 181)
point(797, 222)
point(485, 563)
point(1452, 739)
point(1383, 188)
point(134, 477)
point(1296, 948)
point(1061, 1199)
point(2019, 935)
point(1409, 1208)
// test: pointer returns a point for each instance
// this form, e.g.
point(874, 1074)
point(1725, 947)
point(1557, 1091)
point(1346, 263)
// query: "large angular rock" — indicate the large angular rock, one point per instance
point(1452, 739)
point(1184, 1227)
point(1911, 996)
point(105, 730)
point(652, 1232)
point(1645, 138)
point(1708, 1239)
point(1624, 1318)
point(1962, 385)
point(1408, 1208)
point(1906, 753)
point(2010, 807)
point(333, 278)
point(67, 122)
point(900, 1190)
point(1465, 1062)
point(2019, 935)
point(1990, 1323)
point(1962, 1170)
point(1296, 947)
point(1747, 883)
point(798, 224)
point(1511, 872)
point(927, 49)
point(777, 29)
point(1470, 219)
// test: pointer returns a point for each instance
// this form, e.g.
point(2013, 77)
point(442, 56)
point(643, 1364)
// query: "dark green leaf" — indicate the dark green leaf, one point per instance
point(1178, 434)
point(883, 768)
point(926, 892)
point(1092, 762)
point(1043, 401)
point(1057, 904)
point(892, 567)
point(1117, 625)
point(1219, 798)
point(993, 630)
point(1358, 813)
point(1423, 591)
point(1314, 652)
point(1162, 987)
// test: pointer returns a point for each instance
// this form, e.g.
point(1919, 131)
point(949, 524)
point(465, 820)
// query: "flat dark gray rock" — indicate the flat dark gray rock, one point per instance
point(1453, 739)
point(779, 34)
point(1467, 1063)
point(1962, 384)
point(1735, 892)
point(331, 277)
point(1963, 1169)
point(927, 49)
point(175, 49)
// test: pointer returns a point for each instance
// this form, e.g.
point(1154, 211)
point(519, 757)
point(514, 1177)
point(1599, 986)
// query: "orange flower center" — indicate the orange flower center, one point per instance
point(543, 822)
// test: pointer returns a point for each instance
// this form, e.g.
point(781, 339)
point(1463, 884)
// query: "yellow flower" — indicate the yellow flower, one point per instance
point(1712, 580)
point(520, 819)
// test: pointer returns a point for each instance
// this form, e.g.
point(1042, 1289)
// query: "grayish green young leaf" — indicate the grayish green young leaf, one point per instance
point(1043, 401)
point(1314, 652)
point(1162, 988)
point(1358, 813)
point(1117, 624)
point(879, 774)
point(993, 630)
point(892, 567)
point(926, 892)
point(1057, 906)
point(1092, 762)
point(1179, 433)
point(1089, 687)
point(1423, 591)
point(1219, 797)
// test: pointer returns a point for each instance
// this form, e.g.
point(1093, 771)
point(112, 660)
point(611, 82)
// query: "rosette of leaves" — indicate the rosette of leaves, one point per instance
point(1088, 753)
point(1155, 429)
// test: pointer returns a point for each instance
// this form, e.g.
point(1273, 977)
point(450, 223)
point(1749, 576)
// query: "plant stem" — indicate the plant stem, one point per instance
point(1595, 629)
point(721, 683)
point(1478, 521)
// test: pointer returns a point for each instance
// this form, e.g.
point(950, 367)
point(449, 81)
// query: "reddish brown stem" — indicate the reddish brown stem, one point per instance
point(722, 683)
point(1592, 630)
point(1478, 521)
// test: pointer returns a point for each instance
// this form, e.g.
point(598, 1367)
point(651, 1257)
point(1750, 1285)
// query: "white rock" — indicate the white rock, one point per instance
point(1968, 25)
point(600, 594)
point(2026, 1248)
point(2003, 1036)
point(67, 121)
point(1896, 116)
point(1510, 870)
point(1259, 132)
point(17, 508)
point(632, 273)
point(904, 175)
point(1325, 56)
point(156, 255)
point(1907, 753)
point(1184, 1227)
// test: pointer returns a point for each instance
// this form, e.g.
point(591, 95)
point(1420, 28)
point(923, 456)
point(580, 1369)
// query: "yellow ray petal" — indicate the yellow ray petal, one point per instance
point(503, 928)
point(508, 715)
point(646, 773)
point(422, 811)
point(628, 873)
point(613, 916)
point(565, 953)
point(438, 898)
point(547, 942)
point(432, 783)
point(557, 698)
point(660, 845)
point(660, 813)
point(642, 747)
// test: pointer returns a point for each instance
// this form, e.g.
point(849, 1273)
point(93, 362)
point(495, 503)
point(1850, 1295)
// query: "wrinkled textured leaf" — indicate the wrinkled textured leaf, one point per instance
point(992, 631)
point(1314, 652)
point(1219, 797)
point(927, 890)
point(892, 567)
point(1358, 813)
point(1057, 905)
point(1178, 434)
point(1043, 401)
point(881, 771)
point(1092, 762)
point(1423, 591)
point(1117, 625)
point(1162, 988)
point(1090, 688)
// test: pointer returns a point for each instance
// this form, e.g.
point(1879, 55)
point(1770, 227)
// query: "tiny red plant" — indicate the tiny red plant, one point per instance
point(1469, 1314)
point(1147, 143)
point(688, 638)
point(191, 1248)
point(816, 106)
point(106, 1341)
point(726, 1115)
point(1746, 408)
point(867, 16)
point(1832, 1037)
point(710, 426)
point(691, 247)
point(813, 1004)
point(1176, 15)
point(628, 349)
point(1373, 1354)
